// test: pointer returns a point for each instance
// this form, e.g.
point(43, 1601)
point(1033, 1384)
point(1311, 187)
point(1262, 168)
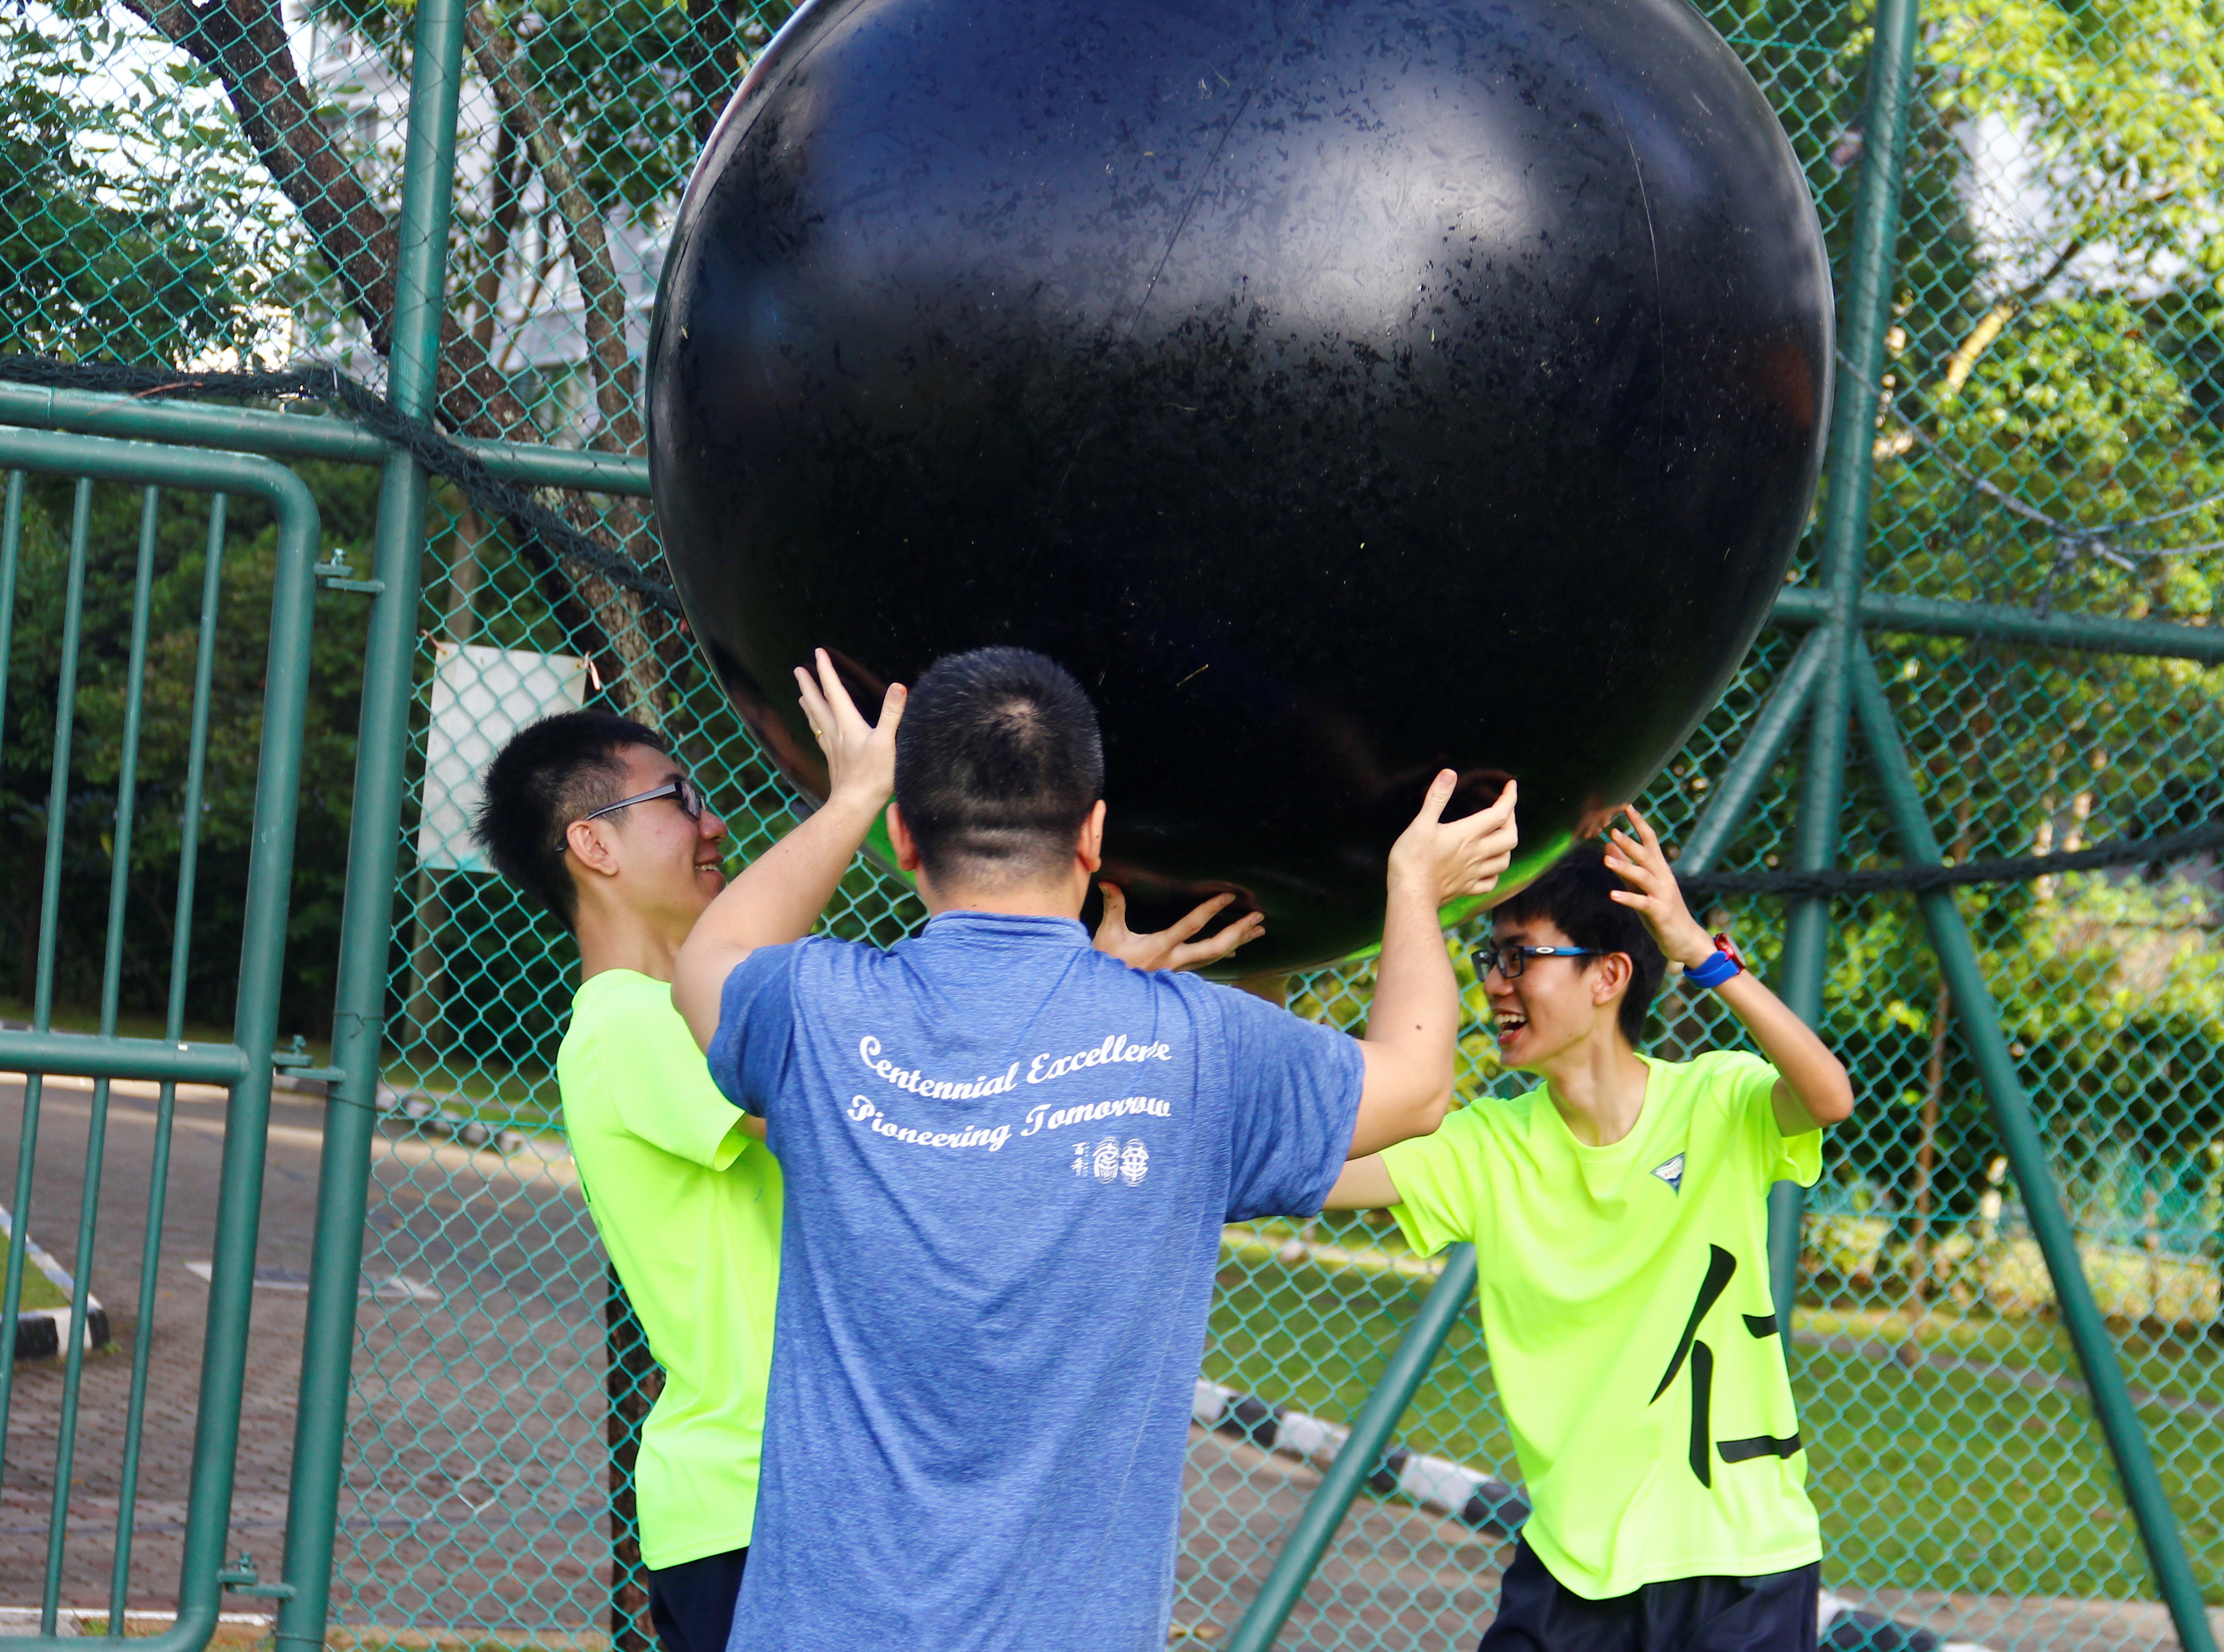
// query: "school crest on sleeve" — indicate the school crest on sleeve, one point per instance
point(1671, 1172)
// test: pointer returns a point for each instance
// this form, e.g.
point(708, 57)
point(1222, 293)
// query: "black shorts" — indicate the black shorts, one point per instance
point(692, 1604)
point(1774, 1612)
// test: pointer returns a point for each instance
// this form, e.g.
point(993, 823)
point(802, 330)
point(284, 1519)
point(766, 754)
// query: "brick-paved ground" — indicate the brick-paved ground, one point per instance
point(173, 1369)
point(473, 1506)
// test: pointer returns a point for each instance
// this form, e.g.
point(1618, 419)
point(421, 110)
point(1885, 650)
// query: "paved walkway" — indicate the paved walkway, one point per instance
point(173, 1369)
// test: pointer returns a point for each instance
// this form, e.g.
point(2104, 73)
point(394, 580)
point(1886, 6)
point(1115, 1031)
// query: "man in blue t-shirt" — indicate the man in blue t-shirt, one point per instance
point(1008, 1157)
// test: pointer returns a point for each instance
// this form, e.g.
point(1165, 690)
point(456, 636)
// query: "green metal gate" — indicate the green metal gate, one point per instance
point(242, 1068)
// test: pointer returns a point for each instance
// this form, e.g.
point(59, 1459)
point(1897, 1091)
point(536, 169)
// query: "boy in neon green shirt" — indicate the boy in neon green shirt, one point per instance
point(589, 815)
point(1619, 1212)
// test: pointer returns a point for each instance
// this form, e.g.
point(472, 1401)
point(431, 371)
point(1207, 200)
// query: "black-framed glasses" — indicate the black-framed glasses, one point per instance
point(1511, 960)
point(683, 790)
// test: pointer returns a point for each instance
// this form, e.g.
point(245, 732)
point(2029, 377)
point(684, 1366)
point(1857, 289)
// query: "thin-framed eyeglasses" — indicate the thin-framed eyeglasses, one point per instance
point(1510, 960)
point(683, 790)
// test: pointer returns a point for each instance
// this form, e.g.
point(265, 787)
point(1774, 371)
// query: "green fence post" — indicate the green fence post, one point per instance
point(261, 962)
point(367, 919)
point(1867, 313)
point(1978, 1019)
point(1362, 1450)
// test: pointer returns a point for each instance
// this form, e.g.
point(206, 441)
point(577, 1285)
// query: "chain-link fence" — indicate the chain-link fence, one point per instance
point(2033, 508)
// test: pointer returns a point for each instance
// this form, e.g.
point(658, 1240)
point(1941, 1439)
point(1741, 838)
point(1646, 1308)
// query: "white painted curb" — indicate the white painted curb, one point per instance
point(43, 1333)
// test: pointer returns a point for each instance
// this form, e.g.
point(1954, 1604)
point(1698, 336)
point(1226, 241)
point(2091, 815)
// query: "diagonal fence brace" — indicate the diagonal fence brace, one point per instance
point(2012, 1113)
point(1749, 771)
point(1371, 1432)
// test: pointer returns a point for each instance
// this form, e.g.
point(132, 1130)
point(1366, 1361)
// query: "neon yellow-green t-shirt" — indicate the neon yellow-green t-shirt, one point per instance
point(1624, 1296)
point(688, 1207)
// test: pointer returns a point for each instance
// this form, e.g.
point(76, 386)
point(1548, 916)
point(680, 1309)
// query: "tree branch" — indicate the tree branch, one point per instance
point(714, 61)
point(244, 43)
point(584, 232)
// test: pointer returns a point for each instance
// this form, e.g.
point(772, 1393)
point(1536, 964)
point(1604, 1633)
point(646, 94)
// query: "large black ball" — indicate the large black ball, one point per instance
point(1341, 390)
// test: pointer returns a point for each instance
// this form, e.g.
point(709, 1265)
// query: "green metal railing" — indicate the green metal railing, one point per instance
point(242, 1065)
point(359, 1017)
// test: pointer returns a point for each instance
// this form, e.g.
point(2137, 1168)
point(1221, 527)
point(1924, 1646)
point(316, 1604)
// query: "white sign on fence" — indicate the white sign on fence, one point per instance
point(480, 697)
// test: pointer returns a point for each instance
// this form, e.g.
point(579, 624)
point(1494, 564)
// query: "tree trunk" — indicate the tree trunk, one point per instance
point(502, 229)
point(714, 65)
point(1926, 1144)
point(244, 44)
point(423, 999)
point(584, 232)
point(621, 615)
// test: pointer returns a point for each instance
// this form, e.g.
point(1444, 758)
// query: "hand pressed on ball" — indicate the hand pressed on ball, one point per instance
point(1654, 893)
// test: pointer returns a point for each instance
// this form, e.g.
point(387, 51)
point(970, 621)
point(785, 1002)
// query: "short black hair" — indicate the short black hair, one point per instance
point(999, 761)
point(1574, 895)
point(550, 774)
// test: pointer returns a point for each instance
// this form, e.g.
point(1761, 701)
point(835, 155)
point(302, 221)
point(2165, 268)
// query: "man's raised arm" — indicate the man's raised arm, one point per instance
point(780, 894)
point(1413, 1026)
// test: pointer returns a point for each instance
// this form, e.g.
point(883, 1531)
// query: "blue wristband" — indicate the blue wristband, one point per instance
point(1715, 970)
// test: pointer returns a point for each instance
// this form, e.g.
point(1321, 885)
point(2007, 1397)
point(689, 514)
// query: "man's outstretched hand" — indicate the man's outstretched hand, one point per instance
point(1413, 1025)
point(860, 756)
point(780, 895)
point(1447, 860)
point(1170, 948)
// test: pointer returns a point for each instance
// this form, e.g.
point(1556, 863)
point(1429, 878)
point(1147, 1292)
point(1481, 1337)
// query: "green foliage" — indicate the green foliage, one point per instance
point(2121, 104)
point(631, 83)
point(346, 497)
point(37, 1291)
point(135, 228)
point(2073, 412)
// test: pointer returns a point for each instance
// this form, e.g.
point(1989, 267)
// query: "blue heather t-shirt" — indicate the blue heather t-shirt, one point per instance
point(1008, 1160)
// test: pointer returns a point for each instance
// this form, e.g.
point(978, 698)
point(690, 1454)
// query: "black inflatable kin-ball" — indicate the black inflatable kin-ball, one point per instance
point(1342, 391)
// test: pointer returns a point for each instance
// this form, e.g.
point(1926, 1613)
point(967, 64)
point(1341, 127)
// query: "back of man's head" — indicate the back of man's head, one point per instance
point(1575, 894)
point(998, 763)
point(551, 773)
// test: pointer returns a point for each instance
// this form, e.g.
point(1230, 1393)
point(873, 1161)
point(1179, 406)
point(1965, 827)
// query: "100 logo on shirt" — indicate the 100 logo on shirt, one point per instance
point(1109, 1161)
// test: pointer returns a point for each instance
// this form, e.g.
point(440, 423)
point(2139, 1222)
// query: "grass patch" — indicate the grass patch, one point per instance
point(524, 1097)
point(39, 1291)
point(1924, 1477)
point(85, 1018)
point(143, 1625)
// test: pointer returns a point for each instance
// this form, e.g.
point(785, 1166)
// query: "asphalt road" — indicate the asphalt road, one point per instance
point(478, 1370)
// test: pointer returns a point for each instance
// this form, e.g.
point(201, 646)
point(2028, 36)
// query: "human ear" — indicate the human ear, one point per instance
point(587, 846)
point(1089, 848)
point(901, 841)
point(1611, 976)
